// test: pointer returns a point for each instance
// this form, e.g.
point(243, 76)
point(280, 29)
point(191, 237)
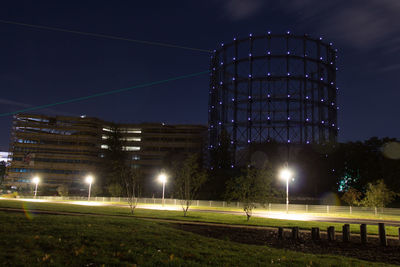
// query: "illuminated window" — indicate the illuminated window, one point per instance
point(104, 146)
point(136, 139)
point(107, 129)
point(133, 130)
point(131, 148)
point(104, 137)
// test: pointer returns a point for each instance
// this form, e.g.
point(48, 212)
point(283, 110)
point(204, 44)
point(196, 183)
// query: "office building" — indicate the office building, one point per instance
point(63, 150)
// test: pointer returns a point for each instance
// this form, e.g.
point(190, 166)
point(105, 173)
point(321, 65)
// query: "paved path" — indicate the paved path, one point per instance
point(290, 216)
point(305, 217)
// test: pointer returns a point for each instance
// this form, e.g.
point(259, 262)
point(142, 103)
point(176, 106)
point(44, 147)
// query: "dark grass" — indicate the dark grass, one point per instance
point(61, 240)
point(192, 216)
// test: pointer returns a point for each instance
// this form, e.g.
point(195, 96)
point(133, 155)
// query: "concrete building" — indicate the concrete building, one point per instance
point(63, 150)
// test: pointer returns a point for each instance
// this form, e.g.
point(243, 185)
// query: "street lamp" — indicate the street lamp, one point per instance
point(36, 181)
point(163, 179)
point(286, 174)
point(89, 180)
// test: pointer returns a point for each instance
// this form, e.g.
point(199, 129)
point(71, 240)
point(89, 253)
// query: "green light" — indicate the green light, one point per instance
point(347, 181)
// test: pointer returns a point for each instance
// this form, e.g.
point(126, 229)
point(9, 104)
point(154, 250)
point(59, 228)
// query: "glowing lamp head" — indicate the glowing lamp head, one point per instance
point(285, 174)
point(89, 179)
point(162, 178)
point(36, 180)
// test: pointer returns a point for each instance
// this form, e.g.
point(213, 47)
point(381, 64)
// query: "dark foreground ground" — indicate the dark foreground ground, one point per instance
point(46, 234)
point(370, 252)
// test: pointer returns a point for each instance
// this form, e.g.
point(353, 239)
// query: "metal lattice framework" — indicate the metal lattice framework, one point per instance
point(273, 87)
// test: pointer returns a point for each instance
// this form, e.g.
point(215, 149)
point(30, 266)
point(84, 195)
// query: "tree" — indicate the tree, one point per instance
point(221, 162)
point(378, 195)
point(115, 158)
point(359, 163)
point(2, 171)
point(132, 185)
point(115, 189)
point(352, 197)
point(251, 188)
point(97, 189)
point(63, 190)
point(189, 177)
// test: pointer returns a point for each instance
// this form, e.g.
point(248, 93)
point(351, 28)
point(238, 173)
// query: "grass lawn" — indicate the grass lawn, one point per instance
point(63, 240)
point(232, 207)
point(192, 216)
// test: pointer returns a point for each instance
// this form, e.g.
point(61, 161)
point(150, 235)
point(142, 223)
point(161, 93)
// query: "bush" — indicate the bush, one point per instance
point(96, 190)
point(12, 195)
point(378, 195)
point(63, 190)
point(115, 190)
point(352, 197)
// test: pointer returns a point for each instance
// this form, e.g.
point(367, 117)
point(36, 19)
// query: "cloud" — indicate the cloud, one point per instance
point(390, 68)
point(359, 27)
point(392, 46)
point(241, 9)
point(362, 24)
point(13, 103)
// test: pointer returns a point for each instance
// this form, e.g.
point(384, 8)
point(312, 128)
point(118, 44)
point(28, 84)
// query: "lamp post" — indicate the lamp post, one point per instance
point(89, 180)
point(286, 174)
point(36, 181)
point(163, 179)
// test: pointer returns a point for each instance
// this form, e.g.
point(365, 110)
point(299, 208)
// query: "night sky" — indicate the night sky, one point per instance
point(40, 66)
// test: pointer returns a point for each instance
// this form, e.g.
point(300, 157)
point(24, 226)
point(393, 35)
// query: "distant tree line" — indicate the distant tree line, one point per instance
point(377, 195)
point(319, 168)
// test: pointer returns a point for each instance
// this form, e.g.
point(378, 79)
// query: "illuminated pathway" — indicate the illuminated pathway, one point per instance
point(271, 215)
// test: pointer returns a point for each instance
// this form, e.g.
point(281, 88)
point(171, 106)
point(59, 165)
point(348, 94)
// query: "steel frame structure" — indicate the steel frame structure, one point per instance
point(273, 87)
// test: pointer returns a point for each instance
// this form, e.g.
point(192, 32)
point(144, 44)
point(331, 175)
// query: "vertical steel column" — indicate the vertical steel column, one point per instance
point(321, 136)
point(330, 93)
point(312, 106)
point(269, 93)
point(335, 107)
point(235, 102)
point(224, 88)
point(250, 92)
point(287, 91)
point(303, 102)
point(211, 101)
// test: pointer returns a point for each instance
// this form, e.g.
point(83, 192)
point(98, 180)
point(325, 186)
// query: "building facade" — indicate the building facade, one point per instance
point(63, 150)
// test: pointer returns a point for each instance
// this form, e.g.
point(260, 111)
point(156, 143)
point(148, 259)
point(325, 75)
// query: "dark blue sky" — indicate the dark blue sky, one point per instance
point(40, 66)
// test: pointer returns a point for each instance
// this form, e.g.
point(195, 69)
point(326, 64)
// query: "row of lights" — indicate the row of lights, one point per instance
point(287, 53)
point(288, 118)
point(269, 53)
point(89, 179)
point(269, 96)
point(287, 32)
point(269, 75)
point(162, 177)
point(249, 141)
point(269, 33)
point(285, 174)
